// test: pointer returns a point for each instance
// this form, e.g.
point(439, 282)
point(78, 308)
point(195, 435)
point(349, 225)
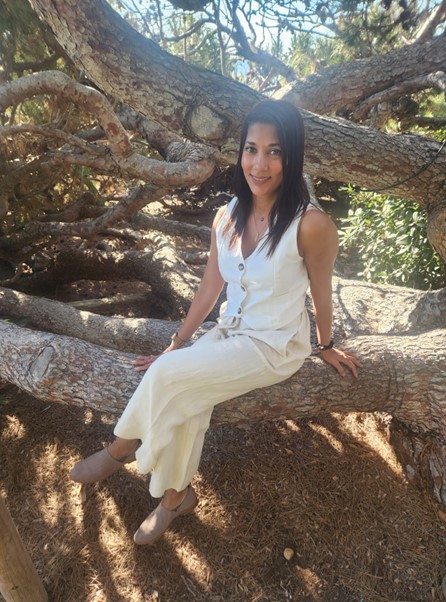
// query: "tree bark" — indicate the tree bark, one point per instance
point(404, 376)
point(133, 335)
point(388, 310)
point(19, 581)
point(207, 107)
point(407, 375)
point(345, 85)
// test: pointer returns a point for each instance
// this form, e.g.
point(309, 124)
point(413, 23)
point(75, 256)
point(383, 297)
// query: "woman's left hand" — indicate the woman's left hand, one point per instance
point(339, 358)
point(143, 362)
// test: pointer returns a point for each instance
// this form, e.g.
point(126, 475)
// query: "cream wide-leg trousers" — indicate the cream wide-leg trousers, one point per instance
point(171, 409)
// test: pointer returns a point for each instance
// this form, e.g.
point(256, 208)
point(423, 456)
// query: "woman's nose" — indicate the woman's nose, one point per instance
point(261, 161)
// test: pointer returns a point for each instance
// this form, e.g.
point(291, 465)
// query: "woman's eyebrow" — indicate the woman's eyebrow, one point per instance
point(255, 144)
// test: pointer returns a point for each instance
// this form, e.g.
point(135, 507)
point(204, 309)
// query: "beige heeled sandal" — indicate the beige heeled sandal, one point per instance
point(158, 521)
point(99, 466)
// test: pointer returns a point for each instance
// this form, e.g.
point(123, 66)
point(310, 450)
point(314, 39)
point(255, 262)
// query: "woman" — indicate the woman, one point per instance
point(268, 244)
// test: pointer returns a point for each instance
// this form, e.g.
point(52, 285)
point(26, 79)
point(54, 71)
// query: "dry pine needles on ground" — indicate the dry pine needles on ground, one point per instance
point(328, 489)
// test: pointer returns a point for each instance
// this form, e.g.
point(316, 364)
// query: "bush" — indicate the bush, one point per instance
point(389, 237)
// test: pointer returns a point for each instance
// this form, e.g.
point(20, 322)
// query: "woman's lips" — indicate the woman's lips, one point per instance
point(259, 179)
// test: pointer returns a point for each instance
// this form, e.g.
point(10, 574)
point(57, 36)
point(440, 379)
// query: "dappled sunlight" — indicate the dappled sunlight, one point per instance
point(15, 429)
point(331, 439)
point(311, 582)
point(192, 559)
point(292, 425)
point(315, 486)
point(372, 430)
point(89, 417)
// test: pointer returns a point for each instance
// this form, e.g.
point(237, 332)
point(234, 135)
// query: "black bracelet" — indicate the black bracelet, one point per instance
point(177, 336)
point(325, 347)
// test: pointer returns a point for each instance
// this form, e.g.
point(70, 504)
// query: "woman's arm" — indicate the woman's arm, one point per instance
point(204, 300)
point(318, 245)
point(209, 290)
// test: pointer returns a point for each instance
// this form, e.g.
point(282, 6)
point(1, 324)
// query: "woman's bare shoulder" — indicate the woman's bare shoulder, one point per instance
point(316, 222)
point(218, 216)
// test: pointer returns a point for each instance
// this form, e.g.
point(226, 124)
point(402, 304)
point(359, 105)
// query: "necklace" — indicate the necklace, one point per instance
point(262, 230)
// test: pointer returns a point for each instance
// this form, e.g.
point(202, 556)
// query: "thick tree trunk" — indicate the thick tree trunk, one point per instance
point(347, 84)
point(170, 90)
point(402, 375)
point(206, 107)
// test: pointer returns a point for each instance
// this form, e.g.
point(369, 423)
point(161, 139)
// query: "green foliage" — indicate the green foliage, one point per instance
point(310, 53)
point(22, 321)
point(389, 236)
point(344, 30)
point(24, 39)
point(200, 48)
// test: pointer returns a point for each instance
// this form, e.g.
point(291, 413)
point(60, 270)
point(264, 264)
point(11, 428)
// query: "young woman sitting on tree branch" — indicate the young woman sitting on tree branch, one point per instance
point(268, 244)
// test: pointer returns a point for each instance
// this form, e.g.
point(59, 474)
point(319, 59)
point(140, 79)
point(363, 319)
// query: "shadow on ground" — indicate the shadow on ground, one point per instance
point(329, 489)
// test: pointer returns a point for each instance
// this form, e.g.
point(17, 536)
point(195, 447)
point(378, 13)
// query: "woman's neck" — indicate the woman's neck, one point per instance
point(262, 207)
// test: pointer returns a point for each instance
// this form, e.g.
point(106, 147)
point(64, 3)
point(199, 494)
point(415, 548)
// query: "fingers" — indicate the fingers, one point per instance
point(351, 366)
point(143, 362)
point(352, 363)
point(141, 359)
point(339, 358)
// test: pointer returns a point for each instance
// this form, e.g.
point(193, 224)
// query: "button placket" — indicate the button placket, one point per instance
point(241, 267)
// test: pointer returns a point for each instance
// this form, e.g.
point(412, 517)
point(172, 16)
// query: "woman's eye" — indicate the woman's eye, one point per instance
point(250, 149)
point(276, 152)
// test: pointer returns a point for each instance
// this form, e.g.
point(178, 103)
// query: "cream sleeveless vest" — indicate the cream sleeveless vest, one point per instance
point(265, 295)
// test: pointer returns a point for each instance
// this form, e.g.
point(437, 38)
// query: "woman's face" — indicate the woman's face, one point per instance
point(262, 162)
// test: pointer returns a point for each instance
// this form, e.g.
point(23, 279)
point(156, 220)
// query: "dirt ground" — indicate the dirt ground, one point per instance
point(329, 489)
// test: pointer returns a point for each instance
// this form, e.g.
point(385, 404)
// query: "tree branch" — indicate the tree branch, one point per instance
point(344, 85)
point(435, 17)
point(197, 164)
point(432, 80)
point(400, 371)
point(36, 230)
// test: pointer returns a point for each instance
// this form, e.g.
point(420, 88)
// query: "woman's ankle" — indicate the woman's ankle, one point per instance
point(120, 448)
point(173, 498)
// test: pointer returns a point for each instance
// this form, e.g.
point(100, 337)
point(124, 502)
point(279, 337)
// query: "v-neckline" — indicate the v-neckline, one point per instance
point(255, 249)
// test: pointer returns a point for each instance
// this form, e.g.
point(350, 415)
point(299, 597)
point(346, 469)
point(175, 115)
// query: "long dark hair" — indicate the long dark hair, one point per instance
point(293, 197)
